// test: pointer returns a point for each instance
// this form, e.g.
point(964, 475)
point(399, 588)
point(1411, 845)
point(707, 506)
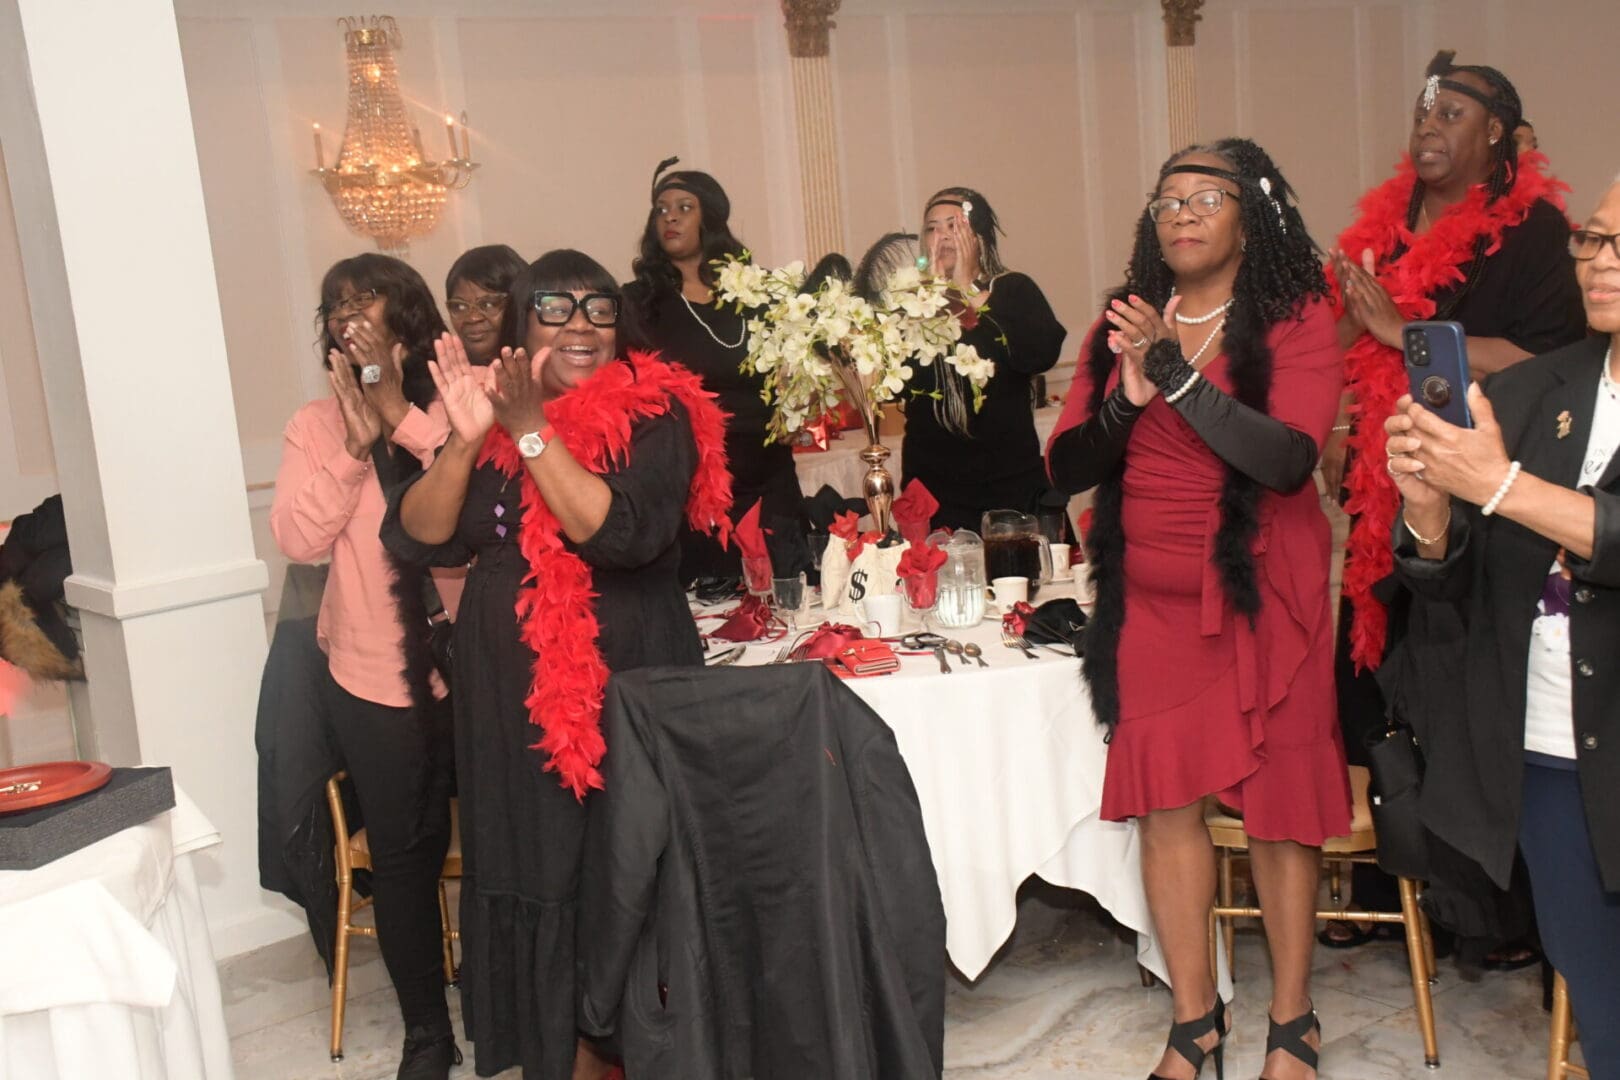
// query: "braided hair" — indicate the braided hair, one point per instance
point(1282, 265)
point(1502, 100)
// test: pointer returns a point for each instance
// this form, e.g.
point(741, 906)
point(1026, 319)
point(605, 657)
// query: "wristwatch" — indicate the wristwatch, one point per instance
point(534, 443)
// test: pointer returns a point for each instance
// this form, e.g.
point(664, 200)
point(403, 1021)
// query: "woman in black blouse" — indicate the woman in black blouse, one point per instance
point(1473, 231)
point(991, 459)
point(570, 523)
point(673, 298)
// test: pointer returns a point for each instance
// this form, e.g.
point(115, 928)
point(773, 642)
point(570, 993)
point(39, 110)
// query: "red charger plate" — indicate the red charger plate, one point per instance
point(30, 786)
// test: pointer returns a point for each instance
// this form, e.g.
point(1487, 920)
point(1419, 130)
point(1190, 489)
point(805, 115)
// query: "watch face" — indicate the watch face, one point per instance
point(531, 444)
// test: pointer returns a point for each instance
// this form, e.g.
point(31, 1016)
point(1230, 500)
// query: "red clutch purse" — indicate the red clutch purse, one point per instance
point(869, 656)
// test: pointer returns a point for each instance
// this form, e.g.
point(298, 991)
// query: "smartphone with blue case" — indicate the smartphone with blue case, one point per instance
point(1437, 369)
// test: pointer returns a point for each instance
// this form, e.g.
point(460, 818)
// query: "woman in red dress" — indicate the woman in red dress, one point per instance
point(1199, 405)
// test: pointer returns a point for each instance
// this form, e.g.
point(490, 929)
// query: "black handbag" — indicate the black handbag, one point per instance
point(1057, 622)
point(1396, 762)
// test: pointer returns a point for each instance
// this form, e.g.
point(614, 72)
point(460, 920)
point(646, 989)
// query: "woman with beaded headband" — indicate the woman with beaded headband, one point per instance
point(687, 229)
point(991, 459)
point(1200, 400)
point(1471, 230)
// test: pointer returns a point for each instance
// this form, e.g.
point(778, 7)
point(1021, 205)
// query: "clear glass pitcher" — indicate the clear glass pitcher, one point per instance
point(961, 579)
point(1015, 547)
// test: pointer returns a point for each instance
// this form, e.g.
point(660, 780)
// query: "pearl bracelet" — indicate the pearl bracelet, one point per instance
point(1181, 391)
point(1501, 493)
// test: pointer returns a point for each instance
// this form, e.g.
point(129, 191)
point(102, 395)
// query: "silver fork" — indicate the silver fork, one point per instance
point(1016, 641)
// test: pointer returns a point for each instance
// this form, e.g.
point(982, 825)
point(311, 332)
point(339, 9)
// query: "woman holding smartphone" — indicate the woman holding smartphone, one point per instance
point(1517, 520)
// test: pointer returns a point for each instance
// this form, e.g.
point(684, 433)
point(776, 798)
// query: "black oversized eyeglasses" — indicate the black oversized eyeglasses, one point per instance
point(1202, 203)
point(489, 306)
point(556, 308)
point(1585, 244)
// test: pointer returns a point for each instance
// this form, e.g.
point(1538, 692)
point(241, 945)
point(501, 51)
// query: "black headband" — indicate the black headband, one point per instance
point(1502, 109)
point(1207, 170)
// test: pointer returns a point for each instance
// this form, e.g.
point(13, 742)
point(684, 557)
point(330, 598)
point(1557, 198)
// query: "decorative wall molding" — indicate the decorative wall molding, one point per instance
point(809, 25)
point(1181, 21)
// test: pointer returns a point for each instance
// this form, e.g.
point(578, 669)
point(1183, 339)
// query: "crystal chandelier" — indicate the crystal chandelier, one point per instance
point(383, 185)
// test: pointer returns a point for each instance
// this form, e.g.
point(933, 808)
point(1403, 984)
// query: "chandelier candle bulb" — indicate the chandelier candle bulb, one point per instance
point(466, 138)
point(320, 152)
point(450, 133)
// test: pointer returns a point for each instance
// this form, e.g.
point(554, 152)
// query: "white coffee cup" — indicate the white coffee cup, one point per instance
point(1008, 592)
point(883, 613)
point(1085, 590)
point(1060, 561)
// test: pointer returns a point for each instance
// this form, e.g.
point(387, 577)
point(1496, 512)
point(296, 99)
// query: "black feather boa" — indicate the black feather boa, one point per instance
point(405, 584)
point(1249, 361)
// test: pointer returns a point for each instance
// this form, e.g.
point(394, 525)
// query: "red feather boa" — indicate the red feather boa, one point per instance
point(1434, 262)
point(555, 609)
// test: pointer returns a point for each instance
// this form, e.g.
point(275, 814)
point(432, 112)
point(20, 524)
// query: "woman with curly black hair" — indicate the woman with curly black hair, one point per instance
point(1199, 404)
point(672, 300)
point(990, 459)
point(378, 692)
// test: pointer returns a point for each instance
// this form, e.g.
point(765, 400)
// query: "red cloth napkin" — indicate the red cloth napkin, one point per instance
point(847, 527)
point(1079, 553)
point(748, 621)
point(919, 569)
point(1017, 619)
point(748, 536)
point(913, 511)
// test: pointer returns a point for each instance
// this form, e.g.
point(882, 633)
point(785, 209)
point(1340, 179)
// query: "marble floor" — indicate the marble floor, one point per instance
point(1063, 1000)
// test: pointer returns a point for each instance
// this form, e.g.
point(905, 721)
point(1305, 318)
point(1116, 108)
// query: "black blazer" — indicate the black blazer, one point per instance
point(758, 899)
point(1495, 570)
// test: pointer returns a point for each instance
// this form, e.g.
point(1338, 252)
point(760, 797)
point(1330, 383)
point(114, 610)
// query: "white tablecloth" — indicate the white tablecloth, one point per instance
point(840, 466)
point(108, 971)
point(1008, 765)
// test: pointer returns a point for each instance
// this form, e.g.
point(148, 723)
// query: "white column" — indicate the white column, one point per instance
point(1180, 36)
point(103, 169)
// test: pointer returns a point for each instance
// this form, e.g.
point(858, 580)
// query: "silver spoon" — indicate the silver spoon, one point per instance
point(974, 651)
point(954, 647)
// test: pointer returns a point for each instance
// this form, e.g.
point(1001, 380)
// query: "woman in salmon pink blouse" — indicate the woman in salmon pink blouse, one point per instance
point(378, 324)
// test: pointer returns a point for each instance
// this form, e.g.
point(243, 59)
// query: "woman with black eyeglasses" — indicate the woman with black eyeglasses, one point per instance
point(1198, 407)
point(571, 467)
point(475, 296)
point(1515, 522)
point(377, 691)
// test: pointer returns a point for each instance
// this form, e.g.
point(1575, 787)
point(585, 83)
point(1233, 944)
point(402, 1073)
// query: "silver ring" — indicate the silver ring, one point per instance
point(371, 373)
point(1139, 343)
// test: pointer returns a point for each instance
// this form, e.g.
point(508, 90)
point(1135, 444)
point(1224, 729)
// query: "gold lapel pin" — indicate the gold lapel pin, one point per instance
point(1563, 424)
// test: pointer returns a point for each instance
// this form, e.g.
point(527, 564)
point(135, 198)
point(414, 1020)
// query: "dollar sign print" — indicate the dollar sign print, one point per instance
point(857, 585)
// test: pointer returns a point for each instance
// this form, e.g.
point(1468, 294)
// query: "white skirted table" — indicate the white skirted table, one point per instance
point(108, 969)
point(1008, 765)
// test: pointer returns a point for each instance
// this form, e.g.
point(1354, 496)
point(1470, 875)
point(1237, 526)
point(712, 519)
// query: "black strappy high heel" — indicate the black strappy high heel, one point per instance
point(1290, 1038)
point(1184, 1040)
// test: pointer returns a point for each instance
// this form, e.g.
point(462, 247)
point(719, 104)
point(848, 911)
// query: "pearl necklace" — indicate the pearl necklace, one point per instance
point(1192, 361)
point(1200, 320)
point(710, 330)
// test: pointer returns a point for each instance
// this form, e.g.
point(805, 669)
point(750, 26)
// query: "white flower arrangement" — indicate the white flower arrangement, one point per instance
point(817, 349)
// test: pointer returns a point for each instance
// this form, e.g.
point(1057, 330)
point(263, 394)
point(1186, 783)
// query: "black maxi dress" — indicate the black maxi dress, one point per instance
point(521, 831)
point(759, 470)
point(997, 465)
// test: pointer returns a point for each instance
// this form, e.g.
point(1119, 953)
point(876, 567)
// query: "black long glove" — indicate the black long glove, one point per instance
point(1262, 448)
point(1084, 455)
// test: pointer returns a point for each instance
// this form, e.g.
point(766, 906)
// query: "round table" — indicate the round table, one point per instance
point(1008, 764)
point(109, 970)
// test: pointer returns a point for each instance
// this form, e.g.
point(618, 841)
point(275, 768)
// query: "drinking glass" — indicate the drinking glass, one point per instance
point(757, 575)
point(789, 595)
point(922, 596)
